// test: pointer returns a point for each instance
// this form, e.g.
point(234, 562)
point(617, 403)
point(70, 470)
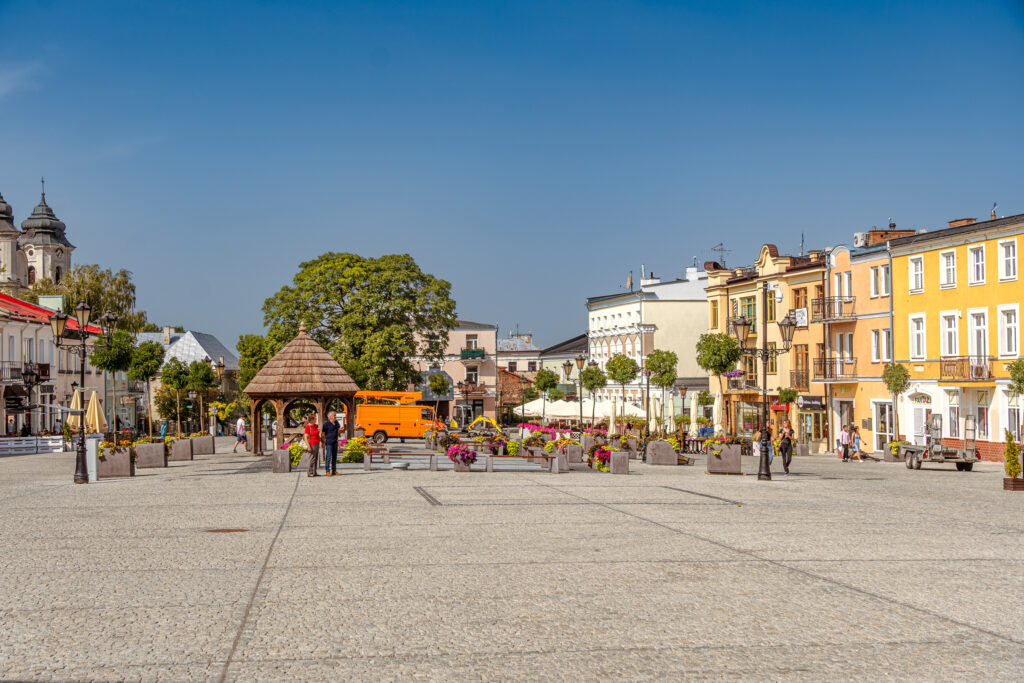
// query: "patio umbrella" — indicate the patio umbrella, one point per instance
point(531, 409)
point(669, 409)
point(94, 419)
point(718, 409)
point(694, 414)
point(73, 420)
point(612, 427)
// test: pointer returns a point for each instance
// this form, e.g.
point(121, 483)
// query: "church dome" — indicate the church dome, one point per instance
point(6, 216)
point(43, 226)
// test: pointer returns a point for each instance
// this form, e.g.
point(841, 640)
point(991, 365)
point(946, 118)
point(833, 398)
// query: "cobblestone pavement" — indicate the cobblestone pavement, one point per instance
point(840, 571)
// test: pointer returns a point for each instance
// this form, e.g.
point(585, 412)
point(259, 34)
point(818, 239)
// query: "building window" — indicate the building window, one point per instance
point(950, 334)
point(512, 366)
point(918, 348)
point(849, 347)
point(800, 298)
point(982, 413)
point(887, 345)
point(977, 323)
point(714, 315)
point(976, 259)
point(531, 366)
point(1013, 414)
point(748, 309)
point(916, 265)
point(471, 341)
point(31, 275)
point(953, 424)
point(473, 375)
point(874, 281)
point(750, 368)
point(56, 275)
point(1009, 339)
point(1008, 260)
point(947, 273)
point(886, 281)
point(876, 346)
point(772, 362)
point(770, 309)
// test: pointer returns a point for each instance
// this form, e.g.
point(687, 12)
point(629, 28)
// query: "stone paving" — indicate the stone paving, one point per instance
point(840, 571)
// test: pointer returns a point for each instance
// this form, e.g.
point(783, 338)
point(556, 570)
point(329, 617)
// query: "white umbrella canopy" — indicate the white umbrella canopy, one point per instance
point(694, 413)
point(612, 427)
point(718, 410)
point(531, 409)
point(563, 409)
point(630, 410)
point(670, 413)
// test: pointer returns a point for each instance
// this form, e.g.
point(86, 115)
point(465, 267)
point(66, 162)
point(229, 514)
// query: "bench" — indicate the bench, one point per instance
point(553, 460)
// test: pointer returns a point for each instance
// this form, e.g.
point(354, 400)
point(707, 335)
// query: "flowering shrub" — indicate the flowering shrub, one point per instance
point(114, 445)
point(598, 457)
point(495, 443)
point(734, 373)
point(459, 453)
point(894, 446)
point(716, 444)
point(674, 442)
point(144, 440)
point(296, 451)
point(512, 448)
point(446, 440)
point(533, 441)
point(355, 449)
point(561, 445)
point(195, 434)
point(596, 432)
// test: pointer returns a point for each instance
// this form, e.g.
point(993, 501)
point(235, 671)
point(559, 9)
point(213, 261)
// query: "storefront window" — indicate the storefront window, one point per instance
point(1013, 414)
point(953, 424)
point(982, 414)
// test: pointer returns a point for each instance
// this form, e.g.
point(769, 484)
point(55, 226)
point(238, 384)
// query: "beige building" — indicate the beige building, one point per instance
point(470, 365)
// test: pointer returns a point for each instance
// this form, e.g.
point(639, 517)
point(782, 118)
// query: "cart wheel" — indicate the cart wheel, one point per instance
point(917, 462)
point(908, 459)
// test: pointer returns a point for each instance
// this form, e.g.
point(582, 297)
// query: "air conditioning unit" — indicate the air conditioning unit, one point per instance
point(860, 239)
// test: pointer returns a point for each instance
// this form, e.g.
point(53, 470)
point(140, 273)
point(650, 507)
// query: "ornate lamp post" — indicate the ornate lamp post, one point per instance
point(58, 323)
point(741, 328)
point(580, 360)
point(30, 377)
point(567, 370)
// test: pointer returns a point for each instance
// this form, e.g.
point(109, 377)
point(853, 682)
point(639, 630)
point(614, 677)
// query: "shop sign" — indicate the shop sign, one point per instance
point(920, 399)
point(801, 316)
point(810, 402)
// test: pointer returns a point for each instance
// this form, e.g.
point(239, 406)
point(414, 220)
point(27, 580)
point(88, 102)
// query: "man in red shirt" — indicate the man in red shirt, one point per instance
point(312, 443)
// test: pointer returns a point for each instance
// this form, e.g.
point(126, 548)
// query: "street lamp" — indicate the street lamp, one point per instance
point(580, 360)
point(58, 324)
point(647, 411)
point(741, 329)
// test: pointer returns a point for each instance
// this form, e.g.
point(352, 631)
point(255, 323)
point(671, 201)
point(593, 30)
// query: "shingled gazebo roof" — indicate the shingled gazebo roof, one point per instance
point(301, 368)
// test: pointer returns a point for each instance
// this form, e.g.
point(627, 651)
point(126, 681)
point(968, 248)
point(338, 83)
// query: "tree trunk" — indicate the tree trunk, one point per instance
point(177, 410)
point(149, 402)
point(896, 423)
point(593, 409)
point(725, 412)
point(113, 402)
point(622, 413)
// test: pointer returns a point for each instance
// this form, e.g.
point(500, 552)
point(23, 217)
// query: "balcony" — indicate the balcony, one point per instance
point(42, 370)
point(470, 389)
point(799, 380)
point(835, 369)
point(471, 353)
point(10, 372)
point(743, 384)
point(966, 368)
point(833, 308)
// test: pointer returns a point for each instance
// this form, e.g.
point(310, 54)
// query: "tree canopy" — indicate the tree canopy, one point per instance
point(717, 352)
point(662, 365)
point(555, 394)
point(372, 314)
point(546, 380)
point(896, 378)
point(593, 378)
point(622, 369)
point(201, 376)
point(113, 352)
point(439, 384)
point(254, 352)
point(147, 358)
point(104, 290)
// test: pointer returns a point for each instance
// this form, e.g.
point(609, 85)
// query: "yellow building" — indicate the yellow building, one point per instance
point(956, 297)
point(796, 282)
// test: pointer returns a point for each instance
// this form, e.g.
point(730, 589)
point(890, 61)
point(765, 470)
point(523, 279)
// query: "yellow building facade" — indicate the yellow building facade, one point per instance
point(956, 298)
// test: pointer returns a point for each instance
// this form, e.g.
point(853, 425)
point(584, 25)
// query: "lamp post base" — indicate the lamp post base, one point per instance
point(764, 472)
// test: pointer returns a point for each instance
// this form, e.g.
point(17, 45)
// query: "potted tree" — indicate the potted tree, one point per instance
point(897, 381)
point(718, 353)
point(1013, 481)
point(147, 358)
point(201, 378)
point(113, 354)
point(175, 377)
point(622, 370)
point(545, 381)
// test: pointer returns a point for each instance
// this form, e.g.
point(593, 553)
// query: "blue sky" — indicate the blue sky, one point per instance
point(530, 153)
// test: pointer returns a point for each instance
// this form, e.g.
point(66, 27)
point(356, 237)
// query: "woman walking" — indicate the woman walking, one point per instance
point(312, 438)
point(786, 439)
point(329, 432)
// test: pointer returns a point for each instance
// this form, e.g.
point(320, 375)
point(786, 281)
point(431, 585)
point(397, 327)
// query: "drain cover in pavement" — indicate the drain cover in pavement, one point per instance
point(226, 531)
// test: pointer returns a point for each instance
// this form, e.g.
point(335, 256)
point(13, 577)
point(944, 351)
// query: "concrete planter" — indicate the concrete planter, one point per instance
point(574, 454)
point(619, 462)
point(661, 453)
point(180, 450)
point(248, 442)
point(461, 466)
point(150, 455)
point(727, 461)
point(116, 462)
point(802, 450)
point(1014, 484)
point(202, 445)
point(631, 444)
point(587, 442)
point(282, 461)
point(562, 462)
point(633, 454)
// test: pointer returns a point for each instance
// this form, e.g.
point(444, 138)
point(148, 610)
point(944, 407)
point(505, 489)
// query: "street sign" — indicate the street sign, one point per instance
point(14, 403)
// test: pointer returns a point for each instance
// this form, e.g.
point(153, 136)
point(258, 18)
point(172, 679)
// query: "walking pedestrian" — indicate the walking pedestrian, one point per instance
point(844, 442)
point(786, 439)
point(329, 434)
point(239, 434)
point(856, 453)
point(312, 444)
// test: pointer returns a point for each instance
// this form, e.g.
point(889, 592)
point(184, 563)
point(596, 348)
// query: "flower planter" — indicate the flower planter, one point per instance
point(116, 462)
point(248, 442)
point(587, 442)
point(150, 455)
point(631, 444)
point(282, 461)
point(619, 462)
point(661, 453)
point(179, 450)
point(726, 461)
point(202, 445)
point(461, 466)
point(574, 454)
point(1015, 484)
point(802, 450)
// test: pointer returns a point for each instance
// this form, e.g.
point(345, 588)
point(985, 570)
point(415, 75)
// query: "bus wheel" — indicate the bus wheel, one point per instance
point(380, 436)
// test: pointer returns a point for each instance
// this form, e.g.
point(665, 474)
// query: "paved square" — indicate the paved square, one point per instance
point(840, 571)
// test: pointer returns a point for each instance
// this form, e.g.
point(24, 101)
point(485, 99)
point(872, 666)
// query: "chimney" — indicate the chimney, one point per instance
point(962, 221)
point(167, 334)
point(814, 254)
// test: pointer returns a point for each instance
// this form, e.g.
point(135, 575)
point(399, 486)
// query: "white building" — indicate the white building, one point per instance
point(665, 315)
point(39, 250)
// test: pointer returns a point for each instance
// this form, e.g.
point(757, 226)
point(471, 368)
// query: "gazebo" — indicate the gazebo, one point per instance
point(301, 371)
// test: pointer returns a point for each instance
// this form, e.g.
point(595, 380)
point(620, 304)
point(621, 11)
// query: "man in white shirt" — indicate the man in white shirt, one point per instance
point(239, 435)
point(844, 442)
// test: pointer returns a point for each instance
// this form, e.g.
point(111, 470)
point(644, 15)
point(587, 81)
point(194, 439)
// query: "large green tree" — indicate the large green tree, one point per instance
point(147, 358)
point(372, 314)
point(717, 352)
point(254, 352)
point(113, 354)
point(622, 370)
point(545, 381)
point(662, 365)
point(593, 378)
point(104, 290)
point(175, 376)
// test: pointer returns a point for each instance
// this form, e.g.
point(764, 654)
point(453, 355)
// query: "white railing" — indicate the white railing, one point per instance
point(31, 444)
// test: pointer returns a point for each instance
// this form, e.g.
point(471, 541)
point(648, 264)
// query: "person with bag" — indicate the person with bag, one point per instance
point(311, 442)
point(329, 433)
point(786, 439)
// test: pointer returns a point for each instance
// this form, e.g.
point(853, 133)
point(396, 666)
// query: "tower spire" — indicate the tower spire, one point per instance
point(42, 181)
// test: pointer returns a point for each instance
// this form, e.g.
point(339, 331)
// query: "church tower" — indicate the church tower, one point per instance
point(46, 249)
point(11, 272)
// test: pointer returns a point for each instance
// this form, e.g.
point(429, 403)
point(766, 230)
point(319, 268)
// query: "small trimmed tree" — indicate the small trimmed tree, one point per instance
point(897, 381)
point(147, 358)
point(113, 354)
point(593, 378)
point(439, 386)
point(545, 381)
point(175, 376)
point(1012, 456)
point(622, 370)
point(556, 394)
point(717, 352)
point(662, 365)
point(787, 396)
point(201, 378)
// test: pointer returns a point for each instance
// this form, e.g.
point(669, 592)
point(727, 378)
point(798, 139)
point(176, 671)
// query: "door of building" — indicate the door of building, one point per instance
point(845, 413)
point(883, 425)
point(921, 416)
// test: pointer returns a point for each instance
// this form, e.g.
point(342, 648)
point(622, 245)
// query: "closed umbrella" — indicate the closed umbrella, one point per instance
point(669, 410)
point(612, 427)
point(94, 418)
point(718, 409)
point(694, 414)
point(74, 421)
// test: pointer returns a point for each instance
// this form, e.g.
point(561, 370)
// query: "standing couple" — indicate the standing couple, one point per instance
point(328, 433)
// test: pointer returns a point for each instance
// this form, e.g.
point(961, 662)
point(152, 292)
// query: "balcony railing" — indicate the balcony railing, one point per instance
point(835, 368)
point(833, 308)
point(966, 368)
point(10, 372)
point(42, 370)
point(468, 353)
point(799, 380)
point(742, 384)
point(469, 389)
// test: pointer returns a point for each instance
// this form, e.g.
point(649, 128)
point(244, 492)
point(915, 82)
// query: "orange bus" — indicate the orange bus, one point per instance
point(393, 414)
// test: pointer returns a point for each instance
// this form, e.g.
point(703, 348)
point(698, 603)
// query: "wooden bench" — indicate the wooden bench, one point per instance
point(386, 456)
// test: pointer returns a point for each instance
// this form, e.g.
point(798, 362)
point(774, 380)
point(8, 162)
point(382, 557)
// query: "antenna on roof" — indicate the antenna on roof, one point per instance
point(801, 245)
point(722, 251)
point(994, 205)
point(694, 261)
